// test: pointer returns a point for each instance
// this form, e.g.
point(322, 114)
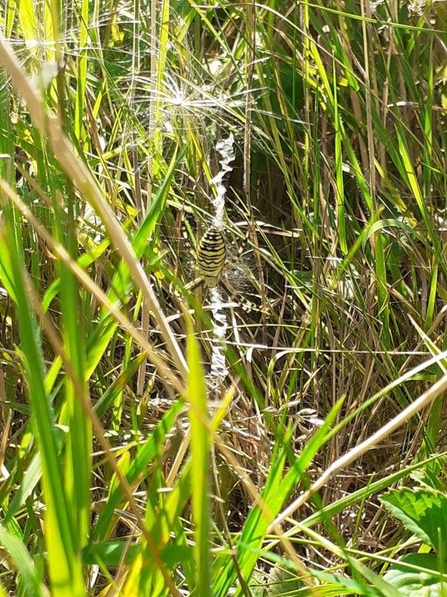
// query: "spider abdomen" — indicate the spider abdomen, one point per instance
point(211, 255)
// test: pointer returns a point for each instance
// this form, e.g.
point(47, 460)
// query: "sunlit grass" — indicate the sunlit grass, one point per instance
point(126, 471)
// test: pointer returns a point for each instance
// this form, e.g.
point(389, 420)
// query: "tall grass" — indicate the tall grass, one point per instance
point(126, 469)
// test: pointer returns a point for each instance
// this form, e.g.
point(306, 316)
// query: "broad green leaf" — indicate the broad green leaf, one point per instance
point(423, 512)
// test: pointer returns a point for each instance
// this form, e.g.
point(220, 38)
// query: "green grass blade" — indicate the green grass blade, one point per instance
point(64, 562)
point(200, 463)
point(23, 563)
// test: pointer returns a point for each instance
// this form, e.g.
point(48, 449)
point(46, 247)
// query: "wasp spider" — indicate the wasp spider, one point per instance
point(211, 256)
point(212, 259)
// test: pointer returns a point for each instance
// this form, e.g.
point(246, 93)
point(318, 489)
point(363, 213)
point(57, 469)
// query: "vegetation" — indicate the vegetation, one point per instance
point(157, 437)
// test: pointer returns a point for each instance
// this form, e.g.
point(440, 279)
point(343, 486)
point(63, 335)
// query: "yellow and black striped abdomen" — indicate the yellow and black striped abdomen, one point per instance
point(211, 256)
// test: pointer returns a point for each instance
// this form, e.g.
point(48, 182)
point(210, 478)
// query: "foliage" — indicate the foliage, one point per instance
point(423, 512)
point(130, 463)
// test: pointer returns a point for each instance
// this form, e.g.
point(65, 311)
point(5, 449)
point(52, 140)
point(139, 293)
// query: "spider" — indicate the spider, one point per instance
point(211, 256)
point(212, 260)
